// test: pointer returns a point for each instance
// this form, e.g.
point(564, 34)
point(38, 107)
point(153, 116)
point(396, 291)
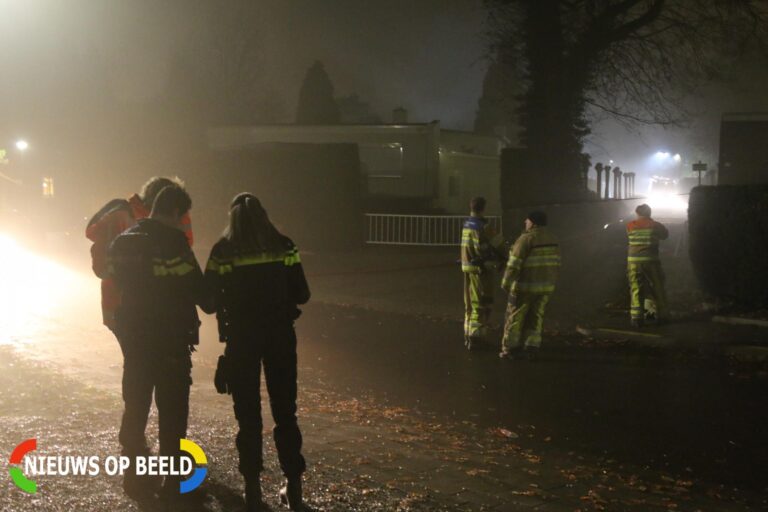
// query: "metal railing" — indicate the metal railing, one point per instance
point(442, 230)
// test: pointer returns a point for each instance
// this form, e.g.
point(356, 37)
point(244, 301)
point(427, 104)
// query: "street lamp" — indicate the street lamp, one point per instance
point(22, 145)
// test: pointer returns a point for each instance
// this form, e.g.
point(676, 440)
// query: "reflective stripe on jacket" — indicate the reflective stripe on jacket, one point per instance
point(161, 284)
point(479, 242)
point(533, 264)
point(102, 233)
point(254, 288)
point(643, 235)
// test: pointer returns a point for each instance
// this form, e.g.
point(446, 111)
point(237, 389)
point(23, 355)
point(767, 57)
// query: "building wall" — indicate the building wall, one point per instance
point(469, 167)
point(743, 151)
point(291, 181)
point(419, 165)
point(396, 160)
point(464, 176)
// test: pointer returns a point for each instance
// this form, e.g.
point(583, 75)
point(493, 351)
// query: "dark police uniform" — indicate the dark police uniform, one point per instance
point(256, 295)
point(157, 324)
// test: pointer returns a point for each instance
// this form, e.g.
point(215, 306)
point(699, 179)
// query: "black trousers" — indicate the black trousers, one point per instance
point(169, 377)
point(273, 346)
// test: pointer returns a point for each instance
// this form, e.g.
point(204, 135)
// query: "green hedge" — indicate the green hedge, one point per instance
point(728, 228)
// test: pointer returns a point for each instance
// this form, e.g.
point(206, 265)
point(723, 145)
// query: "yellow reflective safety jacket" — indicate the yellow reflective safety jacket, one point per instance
point(479, 243)
point(254, 288)
point(533, 264)
point(644, 234)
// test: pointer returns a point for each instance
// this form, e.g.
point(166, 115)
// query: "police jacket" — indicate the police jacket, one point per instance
point(479, 243)
point(117, 216)
point(533, 264)
point(254, 288)
point(644, 234)
point(161, 284)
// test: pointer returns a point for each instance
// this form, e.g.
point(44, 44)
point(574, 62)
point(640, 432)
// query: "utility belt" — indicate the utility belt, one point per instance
point(233, 326)
point(151, 333)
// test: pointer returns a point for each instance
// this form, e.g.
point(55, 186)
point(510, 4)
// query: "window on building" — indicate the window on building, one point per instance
point(48, 190)
point(382, 159)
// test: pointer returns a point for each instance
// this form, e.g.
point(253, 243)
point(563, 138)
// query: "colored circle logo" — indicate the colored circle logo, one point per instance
point(198, 475)
point(17, 475)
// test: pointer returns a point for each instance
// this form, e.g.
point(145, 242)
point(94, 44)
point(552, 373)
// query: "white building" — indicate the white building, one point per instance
point(416, 161)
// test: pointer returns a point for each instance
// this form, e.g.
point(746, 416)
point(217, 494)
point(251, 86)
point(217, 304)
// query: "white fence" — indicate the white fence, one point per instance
point(418, 229)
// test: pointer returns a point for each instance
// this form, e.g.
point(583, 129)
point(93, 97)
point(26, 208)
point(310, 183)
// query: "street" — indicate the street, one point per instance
point(522, 244)
point(397, 414)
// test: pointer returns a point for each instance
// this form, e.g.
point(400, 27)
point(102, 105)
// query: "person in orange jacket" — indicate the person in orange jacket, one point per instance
point(114, 218)
point(648, 299)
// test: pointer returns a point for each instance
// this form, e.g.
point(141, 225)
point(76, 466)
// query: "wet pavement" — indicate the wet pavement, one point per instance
point(654, 408)
point(397, 415)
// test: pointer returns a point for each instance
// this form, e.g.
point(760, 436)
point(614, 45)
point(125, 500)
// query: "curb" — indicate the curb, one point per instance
point(738, 320)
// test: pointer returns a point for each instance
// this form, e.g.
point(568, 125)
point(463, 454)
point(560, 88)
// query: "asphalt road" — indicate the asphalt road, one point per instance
point(684, 414)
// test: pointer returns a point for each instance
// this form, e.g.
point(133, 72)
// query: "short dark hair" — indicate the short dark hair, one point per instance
point(643, 210)
point(477, 204)
point(538, 217)
point(153, 186)
point(172, 198)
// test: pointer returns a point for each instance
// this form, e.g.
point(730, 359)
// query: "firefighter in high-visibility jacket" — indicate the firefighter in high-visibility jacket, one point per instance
point(646, 278)
point(114, 218)
point(481, 247)
point(529, 279)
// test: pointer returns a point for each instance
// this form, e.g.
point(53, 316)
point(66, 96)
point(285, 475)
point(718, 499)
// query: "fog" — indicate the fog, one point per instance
point(109, 93)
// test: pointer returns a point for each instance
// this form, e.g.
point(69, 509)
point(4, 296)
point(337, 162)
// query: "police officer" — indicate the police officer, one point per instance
point(160, 281)
point(529, 279)
point(480, 248)
point(256, 275)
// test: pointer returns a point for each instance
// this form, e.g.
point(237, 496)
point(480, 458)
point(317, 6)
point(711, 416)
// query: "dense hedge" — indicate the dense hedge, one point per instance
point(728, 227)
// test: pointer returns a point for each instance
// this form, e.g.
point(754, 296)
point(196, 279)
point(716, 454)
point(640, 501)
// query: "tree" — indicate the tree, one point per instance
point(316, 103)
point(635, 60)
point(499, 102)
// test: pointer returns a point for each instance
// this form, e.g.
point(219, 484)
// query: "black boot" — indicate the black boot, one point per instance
point(253, 498)
point(290, 495)
point(139, 488)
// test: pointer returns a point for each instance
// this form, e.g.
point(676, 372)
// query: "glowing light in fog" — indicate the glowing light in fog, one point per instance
point(32, 287)
point(677, 157)
point(668, 202)
point(22, 145)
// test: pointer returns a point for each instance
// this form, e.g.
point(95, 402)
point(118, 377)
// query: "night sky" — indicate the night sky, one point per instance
point(427, 56)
